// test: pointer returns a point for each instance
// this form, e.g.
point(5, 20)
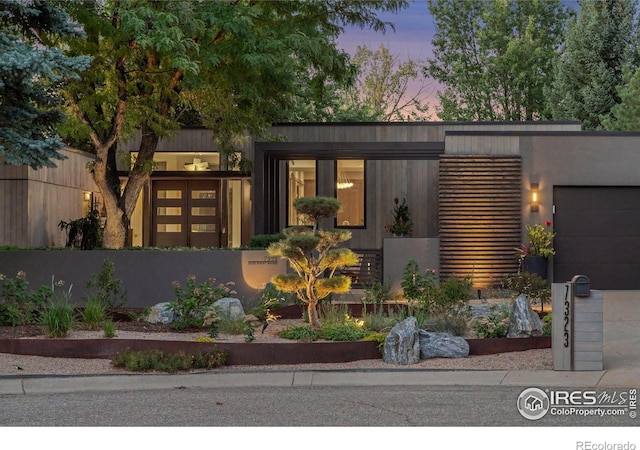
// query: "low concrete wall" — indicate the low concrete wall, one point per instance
point(147, 275)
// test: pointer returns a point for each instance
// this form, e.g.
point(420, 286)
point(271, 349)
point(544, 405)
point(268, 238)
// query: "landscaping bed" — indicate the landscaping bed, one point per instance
point(267, 349)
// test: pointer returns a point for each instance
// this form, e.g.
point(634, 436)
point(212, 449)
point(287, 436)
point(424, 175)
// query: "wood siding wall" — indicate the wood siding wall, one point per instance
point(33, 202)
point(406, 132)
point(480, 206)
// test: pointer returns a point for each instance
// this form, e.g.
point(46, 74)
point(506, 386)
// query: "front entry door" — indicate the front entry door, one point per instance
point(186, 213)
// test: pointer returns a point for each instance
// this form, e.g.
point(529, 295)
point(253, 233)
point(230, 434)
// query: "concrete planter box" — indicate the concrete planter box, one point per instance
point(146, 275)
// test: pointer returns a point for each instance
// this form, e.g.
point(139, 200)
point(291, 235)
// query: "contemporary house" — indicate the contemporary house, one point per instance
point(471, 188)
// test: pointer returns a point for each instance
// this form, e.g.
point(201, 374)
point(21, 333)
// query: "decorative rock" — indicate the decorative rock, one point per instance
point(442, 345)
point(524, 321)
point(402, 345)
point(230, 307)
point(160, 313)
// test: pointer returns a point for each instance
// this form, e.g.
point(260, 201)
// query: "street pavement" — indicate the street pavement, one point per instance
point(621, 363)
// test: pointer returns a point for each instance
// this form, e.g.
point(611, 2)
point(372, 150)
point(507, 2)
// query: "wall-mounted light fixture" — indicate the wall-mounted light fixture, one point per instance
point(535, 197)
point(87, 196)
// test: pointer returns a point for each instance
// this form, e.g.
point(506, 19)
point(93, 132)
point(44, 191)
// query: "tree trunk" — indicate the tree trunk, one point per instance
point(312, 312)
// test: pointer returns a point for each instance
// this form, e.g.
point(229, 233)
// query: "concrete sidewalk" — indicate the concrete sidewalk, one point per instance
point(621, 355)
point(13, 385)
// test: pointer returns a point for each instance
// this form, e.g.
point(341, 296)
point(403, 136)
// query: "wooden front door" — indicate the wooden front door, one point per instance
point(186, 213)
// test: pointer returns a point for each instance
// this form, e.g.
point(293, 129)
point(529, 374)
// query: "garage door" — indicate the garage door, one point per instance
point(598, 235)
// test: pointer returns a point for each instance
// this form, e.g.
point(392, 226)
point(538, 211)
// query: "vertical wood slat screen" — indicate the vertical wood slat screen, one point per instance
point(480, 206)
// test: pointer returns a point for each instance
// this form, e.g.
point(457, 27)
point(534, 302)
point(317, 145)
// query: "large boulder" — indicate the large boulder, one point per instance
point(230, 307)
point(524, 322)
point(160, 313)
point(442, 345)
point(402, 344)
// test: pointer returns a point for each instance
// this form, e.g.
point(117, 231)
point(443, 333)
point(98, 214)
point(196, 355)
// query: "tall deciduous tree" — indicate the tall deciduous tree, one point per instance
point(238, 63)
point(383, 86)
point(32, 72)
point(599, 43)
point(494, 58)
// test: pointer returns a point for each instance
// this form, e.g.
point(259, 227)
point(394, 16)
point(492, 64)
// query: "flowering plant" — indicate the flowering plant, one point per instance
point(540, 241)
point(401, 219)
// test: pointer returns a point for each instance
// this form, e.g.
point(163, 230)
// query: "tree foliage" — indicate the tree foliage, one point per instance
point(237, 64)
point(600, 42)
point(625, 116)
point(494, 58)
point(314, 255)
point(384, 89)
point(32, 72)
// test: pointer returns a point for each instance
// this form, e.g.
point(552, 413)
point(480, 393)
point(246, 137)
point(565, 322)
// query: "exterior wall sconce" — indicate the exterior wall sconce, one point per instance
point(535, 197)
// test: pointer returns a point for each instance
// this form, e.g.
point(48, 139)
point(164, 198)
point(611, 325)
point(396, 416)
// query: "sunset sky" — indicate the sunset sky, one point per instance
point(411, 39)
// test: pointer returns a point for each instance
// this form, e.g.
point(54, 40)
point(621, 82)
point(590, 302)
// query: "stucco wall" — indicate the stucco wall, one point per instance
point(147, 276)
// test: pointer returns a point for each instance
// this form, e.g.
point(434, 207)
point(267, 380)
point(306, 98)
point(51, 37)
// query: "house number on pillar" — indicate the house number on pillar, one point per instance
point(567, 315)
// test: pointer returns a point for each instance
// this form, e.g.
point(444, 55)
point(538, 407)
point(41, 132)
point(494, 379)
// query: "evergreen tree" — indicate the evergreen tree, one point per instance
point(625, 116)
point(494, 58)
point(32, 72)
point(600, 42)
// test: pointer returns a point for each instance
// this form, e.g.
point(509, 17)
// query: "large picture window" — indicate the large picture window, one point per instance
point(301, 176)
point(350, 192)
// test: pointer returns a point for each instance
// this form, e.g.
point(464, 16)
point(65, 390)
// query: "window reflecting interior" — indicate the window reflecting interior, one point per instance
point(208, 194)
point(169, 228)
point(187, 161)
point(203, 211)
point(301, 178)
point(169, 193)
point(350, 192)
point(169, 211)
point(203, 228)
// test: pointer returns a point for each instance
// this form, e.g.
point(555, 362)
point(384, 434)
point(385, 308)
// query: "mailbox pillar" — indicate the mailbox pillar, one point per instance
point(577, 330)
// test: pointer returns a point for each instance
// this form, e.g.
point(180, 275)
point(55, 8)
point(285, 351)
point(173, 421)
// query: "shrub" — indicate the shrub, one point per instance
point(109, 329)
point(84, 233)
point(447, 302)
point(58, 317)
point(93, 313)
point(348, 331)
point(532, 285)
point(494, 325)
point(194, 301)
point(454, 325)
point(270, 298)
point(546, 324)
point(145, 360)
point(227, 325)
point(379, 338)
point(300, 333)
point(107, 288)
point(20, 305)
point(379, 321)
point(264, 240)
point(376, 294)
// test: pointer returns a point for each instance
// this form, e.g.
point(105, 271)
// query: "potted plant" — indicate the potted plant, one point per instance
point(402, 224)
point(539, 247)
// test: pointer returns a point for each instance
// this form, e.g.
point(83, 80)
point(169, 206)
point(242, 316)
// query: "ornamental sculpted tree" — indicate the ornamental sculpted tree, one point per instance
point(314, 255)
